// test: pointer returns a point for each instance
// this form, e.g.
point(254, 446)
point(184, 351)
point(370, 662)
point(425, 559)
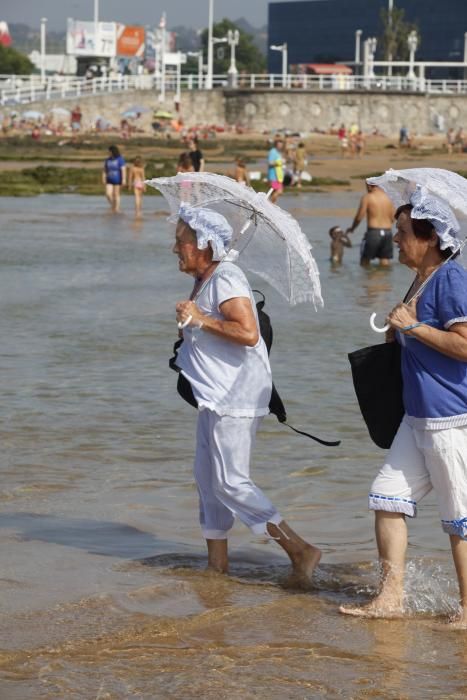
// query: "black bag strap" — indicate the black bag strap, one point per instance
point(276, 405)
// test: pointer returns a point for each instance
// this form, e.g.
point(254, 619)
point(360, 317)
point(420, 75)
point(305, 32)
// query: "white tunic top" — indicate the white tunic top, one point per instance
point(228, 378)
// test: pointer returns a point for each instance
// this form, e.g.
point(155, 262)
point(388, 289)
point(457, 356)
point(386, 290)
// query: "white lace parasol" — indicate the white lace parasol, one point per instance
point(448, 186)
point(268, 240)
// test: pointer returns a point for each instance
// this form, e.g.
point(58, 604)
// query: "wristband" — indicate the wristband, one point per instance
point(412, 325)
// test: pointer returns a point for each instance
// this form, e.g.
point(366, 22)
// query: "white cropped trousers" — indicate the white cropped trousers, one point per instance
point(222, 473)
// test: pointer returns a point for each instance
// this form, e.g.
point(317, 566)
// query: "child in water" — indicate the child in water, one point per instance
point(136, 180)
point(241, 172)
point(339, 240)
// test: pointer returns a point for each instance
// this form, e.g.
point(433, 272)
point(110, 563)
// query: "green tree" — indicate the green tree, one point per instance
point(247, 56)
point(393, 39)
point(12, 61)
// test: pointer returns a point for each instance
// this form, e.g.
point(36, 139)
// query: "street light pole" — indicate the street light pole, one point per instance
point(162, 24)
point(412, 41)
point(358, 39)
point(233, 38)
point(372, 43)
point(217, 40)
point(43, 54)
point(179, 77)
point(96, 24)
point(390, 9)
point(210, 45)
point(283, 49)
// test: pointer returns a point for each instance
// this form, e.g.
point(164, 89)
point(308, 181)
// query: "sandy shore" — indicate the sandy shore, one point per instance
point(324, 158)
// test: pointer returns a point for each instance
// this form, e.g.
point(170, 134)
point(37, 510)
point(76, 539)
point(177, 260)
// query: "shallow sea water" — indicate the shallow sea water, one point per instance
point(102, 581)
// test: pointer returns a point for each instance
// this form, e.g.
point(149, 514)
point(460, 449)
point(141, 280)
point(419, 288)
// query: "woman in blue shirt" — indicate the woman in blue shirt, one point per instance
point(113, 177)
point(430, 447)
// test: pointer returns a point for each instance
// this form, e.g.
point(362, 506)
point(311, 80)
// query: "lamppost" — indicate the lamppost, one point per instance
point(412, 42)
point(199, 55)
point(217, 40)
point(233, 38)
point(210, 45)
point(372, 43)
point(96, 25)
point(43, 23)
point(390, 9)
point(283, 49)
point(358, 39)
point(162, 24)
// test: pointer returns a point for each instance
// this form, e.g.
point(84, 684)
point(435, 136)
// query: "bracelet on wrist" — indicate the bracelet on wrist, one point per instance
point(412, 325)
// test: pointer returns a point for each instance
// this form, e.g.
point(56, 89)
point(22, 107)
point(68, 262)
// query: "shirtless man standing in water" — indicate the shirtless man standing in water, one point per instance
point(379, 212)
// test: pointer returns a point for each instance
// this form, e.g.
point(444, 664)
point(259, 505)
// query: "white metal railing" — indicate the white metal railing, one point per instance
point(19, 90)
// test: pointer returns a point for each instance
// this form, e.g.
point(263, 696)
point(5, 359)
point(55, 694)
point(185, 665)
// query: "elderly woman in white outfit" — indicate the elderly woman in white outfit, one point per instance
point(225, 360)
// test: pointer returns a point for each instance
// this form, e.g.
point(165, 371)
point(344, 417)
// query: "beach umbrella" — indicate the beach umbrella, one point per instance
point(267, 240)
point(139, 109)
point(162, 114)
point(60, 112)
point(32, 114)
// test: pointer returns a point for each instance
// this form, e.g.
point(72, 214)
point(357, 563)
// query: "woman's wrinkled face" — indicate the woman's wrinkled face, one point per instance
point(412, 250)
point(186, 248)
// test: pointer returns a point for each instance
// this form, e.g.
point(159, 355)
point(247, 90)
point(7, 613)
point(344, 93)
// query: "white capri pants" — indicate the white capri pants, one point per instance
point(222, 473)
point(420, 460)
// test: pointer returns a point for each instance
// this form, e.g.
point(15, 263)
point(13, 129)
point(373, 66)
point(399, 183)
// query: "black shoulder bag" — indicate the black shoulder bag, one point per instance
point(276, 405)
point(377, 380)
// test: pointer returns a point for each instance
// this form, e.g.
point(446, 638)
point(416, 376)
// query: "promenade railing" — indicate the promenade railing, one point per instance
point(21, 90)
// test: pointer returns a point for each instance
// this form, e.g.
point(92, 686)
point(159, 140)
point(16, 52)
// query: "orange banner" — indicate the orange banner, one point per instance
point(130, 40)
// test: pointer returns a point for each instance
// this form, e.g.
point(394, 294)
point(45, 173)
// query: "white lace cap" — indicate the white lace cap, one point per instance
point(210, 227)
point(428, 206)
point(438, 195)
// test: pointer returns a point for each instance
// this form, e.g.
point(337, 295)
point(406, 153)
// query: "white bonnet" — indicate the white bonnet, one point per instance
point(210, 227)
point(439, 214)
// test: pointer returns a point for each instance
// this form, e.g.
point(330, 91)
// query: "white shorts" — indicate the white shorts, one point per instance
point(420, 460)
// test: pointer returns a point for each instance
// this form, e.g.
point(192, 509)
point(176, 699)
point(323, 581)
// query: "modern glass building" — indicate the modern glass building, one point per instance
point(323, 31)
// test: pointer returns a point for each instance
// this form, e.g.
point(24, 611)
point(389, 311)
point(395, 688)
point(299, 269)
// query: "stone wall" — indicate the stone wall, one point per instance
point(297, 110)
point(303, 110)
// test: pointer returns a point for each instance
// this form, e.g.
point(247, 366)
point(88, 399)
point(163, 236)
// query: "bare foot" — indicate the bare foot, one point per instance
point(303, 565)
point(381, 607)
point(459, 621)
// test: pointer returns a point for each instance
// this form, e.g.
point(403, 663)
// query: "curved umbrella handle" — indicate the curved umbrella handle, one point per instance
point(183, 324)
point(374, 327)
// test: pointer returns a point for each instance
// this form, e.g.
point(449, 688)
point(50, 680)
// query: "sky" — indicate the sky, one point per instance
point(190, 13)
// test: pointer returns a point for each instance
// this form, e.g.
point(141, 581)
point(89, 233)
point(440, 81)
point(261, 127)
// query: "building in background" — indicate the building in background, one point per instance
point(323, 31)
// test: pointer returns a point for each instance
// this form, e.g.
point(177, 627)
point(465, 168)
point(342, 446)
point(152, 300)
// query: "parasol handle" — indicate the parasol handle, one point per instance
point(247, 224)
point(374, 327)
point(184, 324)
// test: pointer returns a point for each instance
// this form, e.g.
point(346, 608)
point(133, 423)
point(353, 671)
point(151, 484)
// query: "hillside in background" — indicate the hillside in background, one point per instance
point(26, 39)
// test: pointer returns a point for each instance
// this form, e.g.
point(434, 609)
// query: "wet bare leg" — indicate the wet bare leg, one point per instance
point(459, 553)
point(116, 207)
point(138, 203)
point(304, 557)
point(217, 556)
point(391, 538)
point(109, 193)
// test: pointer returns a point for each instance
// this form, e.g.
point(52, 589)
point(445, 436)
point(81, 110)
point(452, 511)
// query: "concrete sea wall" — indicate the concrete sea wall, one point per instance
point(297, 110)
